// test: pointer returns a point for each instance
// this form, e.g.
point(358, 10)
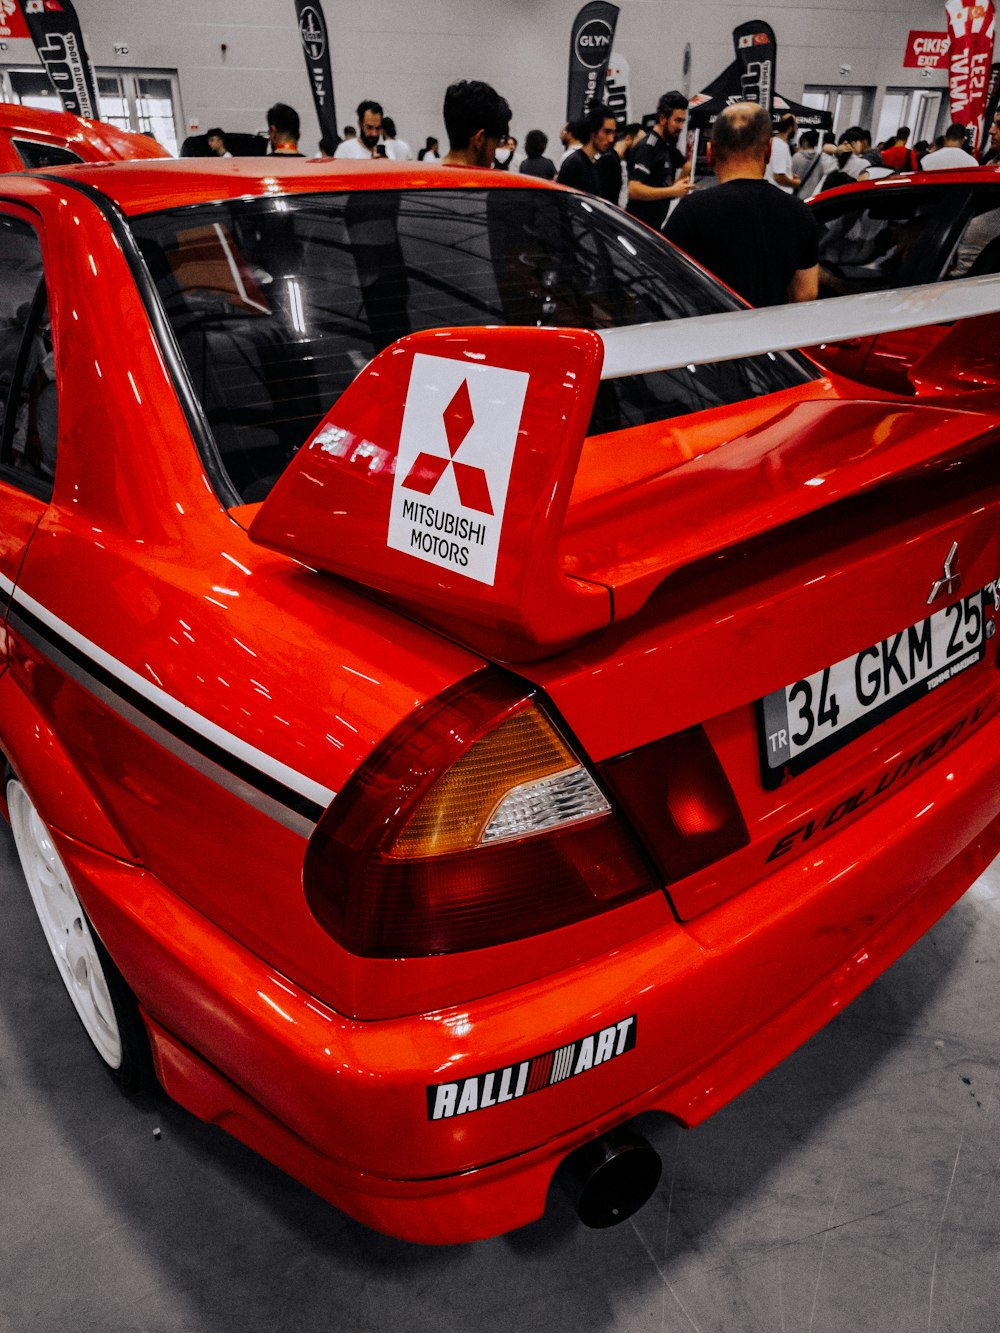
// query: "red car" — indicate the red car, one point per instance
point(451, 706)
point(899, 232)
point(30, 137)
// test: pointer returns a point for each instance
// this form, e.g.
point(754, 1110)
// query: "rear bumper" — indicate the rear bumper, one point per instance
point(343, 1106)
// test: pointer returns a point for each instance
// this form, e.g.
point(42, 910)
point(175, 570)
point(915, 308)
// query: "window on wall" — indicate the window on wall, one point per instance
point(31, 87)
point(920, 108)
point(848, 106)
point(147, 101)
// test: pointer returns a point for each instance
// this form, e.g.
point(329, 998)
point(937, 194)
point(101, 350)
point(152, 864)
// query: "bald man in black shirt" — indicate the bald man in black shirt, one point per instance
point(761, 242)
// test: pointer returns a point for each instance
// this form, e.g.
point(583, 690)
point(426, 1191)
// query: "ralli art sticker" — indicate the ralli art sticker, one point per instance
point(456, 449)
point(480, 1091)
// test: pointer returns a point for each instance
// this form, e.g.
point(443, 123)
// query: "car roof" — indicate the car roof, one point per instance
point(144, 187)
point(951, 176)
point(14, 118)
point(90, 139)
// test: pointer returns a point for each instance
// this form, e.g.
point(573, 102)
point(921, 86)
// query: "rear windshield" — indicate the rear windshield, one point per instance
point(276, 304)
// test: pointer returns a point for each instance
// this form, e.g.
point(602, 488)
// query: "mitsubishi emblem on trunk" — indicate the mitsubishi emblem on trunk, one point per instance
point(950, 582)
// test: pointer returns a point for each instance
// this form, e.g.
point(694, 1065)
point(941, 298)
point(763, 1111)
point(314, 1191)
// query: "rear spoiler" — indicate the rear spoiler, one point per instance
point(443, 477)
point(644, 348)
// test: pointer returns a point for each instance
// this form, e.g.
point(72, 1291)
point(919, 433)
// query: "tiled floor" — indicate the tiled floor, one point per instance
point(855, 1188)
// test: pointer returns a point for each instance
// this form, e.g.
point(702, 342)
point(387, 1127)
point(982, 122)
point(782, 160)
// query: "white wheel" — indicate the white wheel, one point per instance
point(100, 996)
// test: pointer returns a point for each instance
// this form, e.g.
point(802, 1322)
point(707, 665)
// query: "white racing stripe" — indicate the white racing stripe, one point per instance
point(645, 348)
point(225, 740)
point(635, 350)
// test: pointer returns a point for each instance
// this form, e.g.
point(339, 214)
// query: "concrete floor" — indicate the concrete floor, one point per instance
point(856, 1187)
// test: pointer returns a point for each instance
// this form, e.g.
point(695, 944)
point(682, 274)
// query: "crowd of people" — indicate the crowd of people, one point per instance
point(752, 229)
point(650, 170)
point(640, 166)
point(852, 157)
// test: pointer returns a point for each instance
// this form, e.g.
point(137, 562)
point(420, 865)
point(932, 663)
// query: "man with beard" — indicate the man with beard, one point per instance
point(368, 143)
point(658, 172)
point(779, 166)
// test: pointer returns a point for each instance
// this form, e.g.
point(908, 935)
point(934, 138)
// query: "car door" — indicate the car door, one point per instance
point(874, 239)
point(28, 396)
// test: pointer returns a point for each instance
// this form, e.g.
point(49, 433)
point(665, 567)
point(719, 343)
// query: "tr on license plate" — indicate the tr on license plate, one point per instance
point(806, 721)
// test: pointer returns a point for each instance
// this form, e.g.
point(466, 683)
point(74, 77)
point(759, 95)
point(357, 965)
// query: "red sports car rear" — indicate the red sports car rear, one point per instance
point(468, 714)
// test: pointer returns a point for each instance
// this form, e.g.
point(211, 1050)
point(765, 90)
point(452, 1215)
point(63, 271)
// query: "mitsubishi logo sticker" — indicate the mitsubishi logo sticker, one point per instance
point(949, 582)
point(456, 449)
point(427, 471)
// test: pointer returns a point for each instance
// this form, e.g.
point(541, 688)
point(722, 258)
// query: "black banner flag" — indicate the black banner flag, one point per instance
point(756, 55)
point(55, 31)
point(590, 44)
point(992, 106)
point(316, 49)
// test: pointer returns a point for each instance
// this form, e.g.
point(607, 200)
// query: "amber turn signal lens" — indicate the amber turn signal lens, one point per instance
point(457, 811)
point(473, 824)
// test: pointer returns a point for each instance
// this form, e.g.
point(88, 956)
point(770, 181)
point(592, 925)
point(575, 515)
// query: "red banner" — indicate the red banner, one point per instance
point(926, 50)
point(971, 28)
point(12, 22)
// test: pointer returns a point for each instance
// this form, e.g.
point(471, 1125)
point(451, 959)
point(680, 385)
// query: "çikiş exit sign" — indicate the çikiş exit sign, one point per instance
point(926, 50)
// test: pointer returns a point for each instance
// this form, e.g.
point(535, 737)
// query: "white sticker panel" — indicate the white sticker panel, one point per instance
point(456, 448)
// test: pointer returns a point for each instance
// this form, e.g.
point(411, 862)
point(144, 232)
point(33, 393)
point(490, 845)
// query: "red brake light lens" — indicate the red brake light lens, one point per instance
point(473, 824)
point(677, 795)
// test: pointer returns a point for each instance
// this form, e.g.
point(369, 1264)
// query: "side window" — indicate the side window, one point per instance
point(34, 154)
point(880, 241)
point(978, 248)
point(27, 373)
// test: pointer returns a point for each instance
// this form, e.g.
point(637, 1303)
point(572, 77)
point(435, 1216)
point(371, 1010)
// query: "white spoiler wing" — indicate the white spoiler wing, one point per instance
point(644, 348)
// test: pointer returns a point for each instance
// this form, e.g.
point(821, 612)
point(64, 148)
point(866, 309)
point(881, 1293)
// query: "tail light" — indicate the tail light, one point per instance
point(679, 800)
point(472, 824)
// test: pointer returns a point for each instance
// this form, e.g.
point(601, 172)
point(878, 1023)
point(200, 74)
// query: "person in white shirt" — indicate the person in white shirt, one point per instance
point(779, 168)
point(953, 153)
point(216, 140)
point(809, 164)
point(369, 143)
point(570, 140)
point(398, 149)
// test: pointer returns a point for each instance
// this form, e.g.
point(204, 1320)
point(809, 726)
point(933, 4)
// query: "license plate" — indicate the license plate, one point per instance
point(806, 721)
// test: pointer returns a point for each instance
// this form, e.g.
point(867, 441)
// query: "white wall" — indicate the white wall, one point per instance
point(404, 52)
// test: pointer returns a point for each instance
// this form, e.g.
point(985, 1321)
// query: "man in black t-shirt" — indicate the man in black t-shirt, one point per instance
point(760, 241)
point(283, 130)
point(597, 134)
point(657, 170)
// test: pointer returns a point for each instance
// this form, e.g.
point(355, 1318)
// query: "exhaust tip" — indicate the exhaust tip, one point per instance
point(611, 1178)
